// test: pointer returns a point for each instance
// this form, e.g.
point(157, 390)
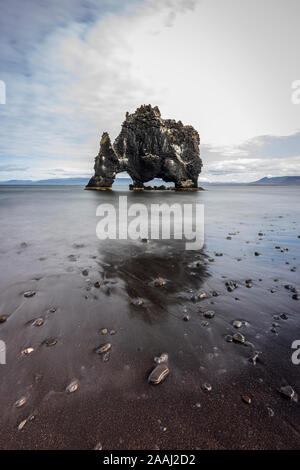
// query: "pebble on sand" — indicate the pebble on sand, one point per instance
point(27, 351)
point(206, 387)
point(51, 342)
point(253, 359)
point(238, 338)
point(73, 386)
point(29, 293)
point(246, 399)
point(162, 358)
point(209, 314)
point(20, 402)
point(38, 322)
point(288, 392)
point(3, 318)
point(186, 318)
point(237, 324)
point(22, 424)
point(98, 446)
point(159, 282)
point(103, 348)
point(104, 331)
point(231, 285)
point(158, 374)
point(137, 302)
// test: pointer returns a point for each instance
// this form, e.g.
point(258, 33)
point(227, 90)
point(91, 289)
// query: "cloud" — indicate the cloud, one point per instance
point(256, 158)
point(74, 67)
point(12, 168)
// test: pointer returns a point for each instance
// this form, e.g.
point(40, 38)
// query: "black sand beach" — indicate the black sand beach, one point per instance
point(49, 246)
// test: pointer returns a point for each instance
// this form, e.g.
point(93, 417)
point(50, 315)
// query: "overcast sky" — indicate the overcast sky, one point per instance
point(72, 69)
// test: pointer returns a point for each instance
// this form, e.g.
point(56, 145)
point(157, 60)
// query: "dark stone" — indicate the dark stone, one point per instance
point(149, 147)
point(158, 374)
point(29, 293)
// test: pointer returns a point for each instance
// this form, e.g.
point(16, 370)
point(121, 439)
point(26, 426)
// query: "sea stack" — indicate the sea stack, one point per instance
point(149, 147)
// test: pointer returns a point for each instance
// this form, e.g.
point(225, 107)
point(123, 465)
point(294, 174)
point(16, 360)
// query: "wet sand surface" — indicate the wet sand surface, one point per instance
point(49, 246)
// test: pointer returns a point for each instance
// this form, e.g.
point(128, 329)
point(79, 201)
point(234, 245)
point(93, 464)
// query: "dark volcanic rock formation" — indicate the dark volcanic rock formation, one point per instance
point(149, 147)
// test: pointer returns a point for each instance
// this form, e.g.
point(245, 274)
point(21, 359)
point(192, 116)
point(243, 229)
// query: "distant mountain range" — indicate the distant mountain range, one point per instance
point(279, 180)
point(286, 180)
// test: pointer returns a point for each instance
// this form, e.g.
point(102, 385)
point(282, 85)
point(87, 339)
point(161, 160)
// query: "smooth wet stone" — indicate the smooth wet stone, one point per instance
point(98, 446)
point(246, 399)
point(97, 284)
point(106, 356)
point(237, 324)
point(29, 293)
point(51, 342)
point(287, 391)
point(104, 331)
point(273, 290)
point(209, 314)
point(73, 386)
point(249, 285)
point(238, 338)
point(22, 424)
point(256, 253)
point(202, 295)
point(294, 269)
point(284, 316)
point(231, 285)
point(3, 318)
point(27, 351)
point(103, 348)
point(85, 272)
point(161, 359)
point(20, 402)
point(159, 282)
point(52, 310)
point(186, 318)
point(253, 359)
point(229, 338)
point(38, 322)
point(295, 297)
point(215, 293)
point(206, 387)
point(137, 302)
point(158, 374)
